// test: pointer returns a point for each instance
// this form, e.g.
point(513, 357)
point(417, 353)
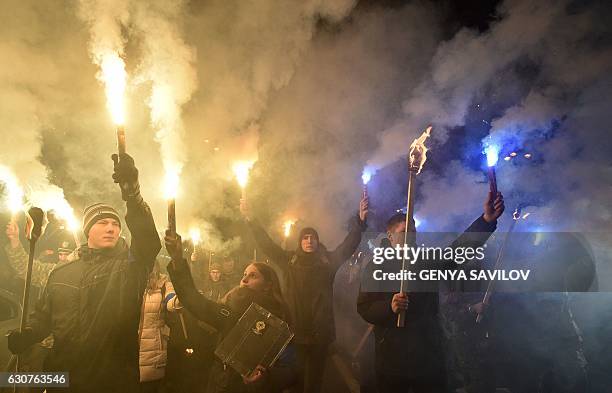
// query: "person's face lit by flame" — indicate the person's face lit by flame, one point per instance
point(104, 234)
point(215, 275)
point(253, 279)
point(309, 243)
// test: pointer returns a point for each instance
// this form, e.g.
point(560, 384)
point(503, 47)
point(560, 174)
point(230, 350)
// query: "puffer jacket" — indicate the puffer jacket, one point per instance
point(309, 281)
point(153, 332)
point(92, 306)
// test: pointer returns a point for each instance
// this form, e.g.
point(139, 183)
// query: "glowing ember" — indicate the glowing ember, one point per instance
point(241, 171)
point(287, 227)
point(492, 153)
point(113, 75)
point(513, 154)
point(195, 235)
point(507, 158)
point(418, 151)
point(527, 155)
point(14, 201)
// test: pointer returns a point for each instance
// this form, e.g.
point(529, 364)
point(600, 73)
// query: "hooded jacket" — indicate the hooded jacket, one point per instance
point(309, 279)
point(92, 306)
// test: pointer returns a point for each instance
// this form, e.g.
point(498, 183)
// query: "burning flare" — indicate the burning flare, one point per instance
point(287, 227)
point(366, 176)
point(492, 153)
point(418, 151)
point(113, 75)
point(14, 201)
point(171, 184)
point(195, 235)
point(241, 171)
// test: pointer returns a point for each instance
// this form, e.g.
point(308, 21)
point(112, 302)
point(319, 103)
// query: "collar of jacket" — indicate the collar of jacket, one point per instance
point(91, 254)
point(308, 258)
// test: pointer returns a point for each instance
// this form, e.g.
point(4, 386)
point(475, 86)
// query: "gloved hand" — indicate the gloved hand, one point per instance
point(20, 341)
point(126, 175)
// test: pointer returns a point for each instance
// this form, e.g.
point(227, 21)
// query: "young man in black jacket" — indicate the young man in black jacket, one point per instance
point(412, 358)
point(92, 303)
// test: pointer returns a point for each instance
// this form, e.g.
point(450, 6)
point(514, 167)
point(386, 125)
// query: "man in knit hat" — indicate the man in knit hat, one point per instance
point(92, 302)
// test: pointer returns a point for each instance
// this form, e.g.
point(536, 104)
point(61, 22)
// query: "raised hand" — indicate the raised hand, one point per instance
point(493, 207)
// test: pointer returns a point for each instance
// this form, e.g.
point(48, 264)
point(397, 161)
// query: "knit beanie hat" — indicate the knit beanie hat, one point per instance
point(96, 212)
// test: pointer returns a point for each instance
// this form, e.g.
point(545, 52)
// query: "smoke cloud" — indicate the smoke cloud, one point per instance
point(314, 92)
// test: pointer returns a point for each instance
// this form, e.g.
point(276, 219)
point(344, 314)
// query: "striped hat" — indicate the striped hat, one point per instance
point(95, 212)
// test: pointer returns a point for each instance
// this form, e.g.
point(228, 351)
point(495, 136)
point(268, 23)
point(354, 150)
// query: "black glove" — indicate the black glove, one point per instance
point(126, 175)
point(20, 341)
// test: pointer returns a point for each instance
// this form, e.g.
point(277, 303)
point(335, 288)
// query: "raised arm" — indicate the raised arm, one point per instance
point(274, 251)
point(18, 258)
point(145, 242)
point(202, 308)
point(350, 243)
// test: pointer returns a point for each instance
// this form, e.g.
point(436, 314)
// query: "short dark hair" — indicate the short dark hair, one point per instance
point(396, 219)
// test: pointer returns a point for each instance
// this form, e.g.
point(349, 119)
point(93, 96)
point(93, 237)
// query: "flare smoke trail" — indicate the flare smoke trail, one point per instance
point(168, 64)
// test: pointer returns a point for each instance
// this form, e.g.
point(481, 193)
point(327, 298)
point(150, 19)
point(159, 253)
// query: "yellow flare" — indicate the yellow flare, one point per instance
point(195, 235)
point(287, 227)
point(171, 184)
point(14, 201)
point(241, 171)
point(418, 151)
point(53, 199)
point(114, 77)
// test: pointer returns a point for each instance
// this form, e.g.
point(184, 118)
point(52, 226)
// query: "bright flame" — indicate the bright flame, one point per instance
point(366, 175)
point(112, 73)
point(53, 199)
point(417, 222)
point(14, 200)
point(241, 171)
point(525, 215)
point(287, 227)
point(492, 153)
point(171, 184)
point(418, 151)
point(195, 235)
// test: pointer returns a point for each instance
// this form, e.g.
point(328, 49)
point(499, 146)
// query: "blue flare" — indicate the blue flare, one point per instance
point(492, 153)
point(366, 176)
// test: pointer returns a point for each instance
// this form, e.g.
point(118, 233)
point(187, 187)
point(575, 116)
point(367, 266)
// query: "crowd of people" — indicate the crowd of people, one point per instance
point(110, 315)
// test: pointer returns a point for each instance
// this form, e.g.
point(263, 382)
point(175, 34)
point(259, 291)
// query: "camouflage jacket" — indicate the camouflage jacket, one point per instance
point(18, 259)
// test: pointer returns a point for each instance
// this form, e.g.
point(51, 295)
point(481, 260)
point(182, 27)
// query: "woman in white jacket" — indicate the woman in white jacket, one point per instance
point(158, 299)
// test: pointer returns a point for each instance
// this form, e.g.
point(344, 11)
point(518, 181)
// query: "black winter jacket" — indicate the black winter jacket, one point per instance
point(92, 306)
point(309, 280)
point(416, 350)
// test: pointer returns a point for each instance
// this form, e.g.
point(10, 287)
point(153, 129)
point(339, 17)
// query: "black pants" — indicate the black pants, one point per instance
point(311, 360)
point(399, 384)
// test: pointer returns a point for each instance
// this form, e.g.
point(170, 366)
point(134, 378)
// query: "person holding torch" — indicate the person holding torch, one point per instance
point(411, 356)
point(92, 304)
